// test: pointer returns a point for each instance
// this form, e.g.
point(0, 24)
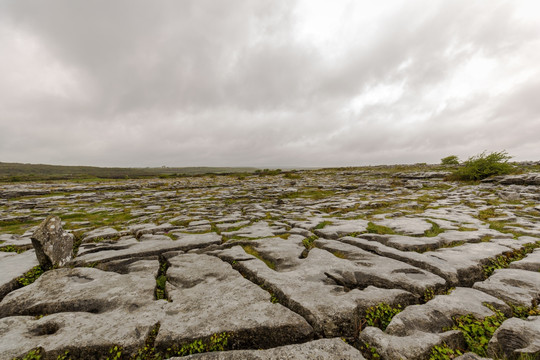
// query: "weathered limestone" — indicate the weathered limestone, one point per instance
point(324, 349)
point(515, 286)
point(416, 345)
point(515, 337)
point(131, 248)
point(54, 246)
point(12, 267)
point(334, 310)
point(436, 315)
point(209, 297)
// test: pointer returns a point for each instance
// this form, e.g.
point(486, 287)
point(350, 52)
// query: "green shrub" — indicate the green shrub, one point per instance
point(450, 160)
point(483, 166)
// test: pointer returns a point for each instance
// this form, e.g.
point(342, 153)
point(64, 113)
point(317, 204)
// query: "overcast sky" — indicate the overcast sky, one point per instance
point(267, 82)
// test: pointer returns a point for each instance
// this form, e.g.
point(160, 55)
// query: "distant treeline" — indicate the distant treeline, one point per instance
point(14, 172)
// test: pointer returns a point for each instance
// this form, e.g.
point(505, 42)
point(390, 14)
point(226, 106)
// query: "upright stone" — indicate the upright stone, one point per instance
point(54, 246)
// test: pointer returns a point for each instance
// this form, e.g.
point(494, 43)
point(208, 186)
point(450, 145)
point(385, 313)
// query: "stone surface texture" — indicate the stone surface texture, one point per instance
point(302, 264)
point(53, 245)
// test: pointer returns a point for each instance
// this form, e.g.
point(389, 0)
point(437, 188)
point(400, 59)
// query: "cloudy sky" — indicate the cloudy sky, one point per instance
point(267, 82)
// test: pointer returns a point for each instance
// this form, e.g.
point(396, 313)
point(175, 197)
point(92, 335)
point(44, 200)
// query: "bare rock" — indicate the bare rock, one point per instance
point(515, 337)
point(323, 349)
point(54, 246)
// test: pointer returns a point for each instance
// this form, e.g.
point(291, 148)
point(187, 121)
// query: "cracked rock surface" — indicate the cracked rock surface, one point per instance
point(297, 265)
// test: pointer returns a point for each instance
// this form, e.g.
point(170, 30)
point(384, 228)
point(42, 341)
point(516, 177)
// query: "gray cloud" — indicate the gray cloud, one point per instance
point(128, 83)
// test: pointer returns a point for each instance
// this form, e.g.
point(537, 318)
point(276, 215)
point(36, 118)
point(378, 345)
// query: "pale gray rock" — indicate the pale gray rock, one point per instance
point(437, 314)
point(323, 349)
point(531, 262)
point(406, 225)
point(80, 289)
point(101, 234)
point(13, 266)
point(87, 312)
point(131, 248)
point(334, 310)
point(471, 356)
point(85, 335)
point(372, 269)
point(340, 228)
point(516, 337)
point(515, 286)
point(209, 297)
point(259, 229)
point(53, 246)
point(460, 265)
point(416, 345)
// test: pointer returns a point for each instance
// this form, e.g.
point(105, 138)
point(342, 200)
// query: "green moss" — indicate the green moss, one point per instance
point(251, 250)
point(378, 229)
point(434, 231)
point(12, 248)
point(30, 276)
point(309, 242)
point(322, 225)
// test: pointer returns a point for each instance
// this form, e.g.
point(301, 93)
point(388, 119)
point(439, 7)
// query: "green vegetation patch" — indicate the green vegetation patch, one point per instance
point(503, 261)
point(450, 160)
point(379, 229)
point(434, 231)
point(161, 280)
point(13, 248)
point(309, 242)
point(216, 342)
point(444, 352)
point(30, 276)
point(251, 251)
point(322, 225)
point(478, 332)
point(381, 315)
point(484, 165)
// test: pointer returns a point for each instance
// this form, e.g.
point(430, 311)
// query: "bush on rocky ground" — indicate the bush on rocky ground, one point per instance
point(482, 166)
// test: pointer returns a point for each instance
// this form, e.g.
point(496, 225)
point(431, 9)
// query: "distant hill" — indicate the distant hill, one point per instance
point(29, 172)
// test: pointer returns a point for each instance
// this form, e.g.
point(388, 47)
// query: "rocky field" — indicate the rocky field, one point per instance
point(378, 263)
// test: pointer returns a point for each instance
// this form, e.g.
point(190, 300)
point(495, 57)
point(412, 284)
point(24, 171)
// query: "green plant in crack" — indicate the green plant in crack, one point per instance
point(34, 354)
point(503, 261)
point(30, 276)
point(148, 351)
point(216, 342)
point(378, 229)
point(309, 242)
point(478, 332)
point(381, 315)
point(322, 225)
point(444, 352)
point(523, 312)
point(252, 251)
point(434, 231)
point(12, 248)
point(161, 280)
point(115, 353)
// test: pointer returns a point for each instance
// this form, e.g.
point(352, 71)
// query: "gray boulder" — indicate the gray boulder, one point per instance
point(54, 246)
